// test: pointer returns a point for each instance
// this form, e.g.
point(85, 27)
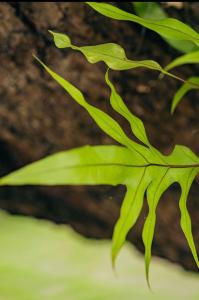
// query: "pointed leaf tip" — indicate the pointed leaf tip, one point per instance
point(61, 40)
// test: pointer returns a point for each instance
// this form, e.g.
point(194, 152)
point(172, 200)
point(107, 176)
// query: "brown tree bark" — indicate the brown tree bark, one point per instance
point(38, 118)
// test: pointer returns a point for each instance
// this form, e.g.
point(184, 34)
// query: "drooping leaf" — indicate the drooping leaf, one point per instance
point(113, 55)
point(169, 28)
point(185, 222)
point(153, 11)
point(159, 184)
point(189, 58)
point(130, 210)
point(183, 90)
point(103, 120)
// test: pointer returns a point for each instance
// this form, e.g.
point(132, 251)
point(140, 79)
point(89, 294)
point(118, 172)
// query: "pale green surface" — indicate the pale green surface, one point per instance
point(40, 260)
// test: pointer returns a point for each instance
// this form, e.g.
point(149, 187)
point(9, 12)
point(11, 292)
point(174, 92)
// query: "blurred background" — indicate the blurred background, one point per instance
point(55, 242)
point(40, 260)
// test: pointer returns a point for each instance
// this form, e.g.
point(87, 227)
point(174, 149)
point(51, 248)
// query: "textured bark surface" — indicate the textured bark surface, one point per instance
point(38, 118)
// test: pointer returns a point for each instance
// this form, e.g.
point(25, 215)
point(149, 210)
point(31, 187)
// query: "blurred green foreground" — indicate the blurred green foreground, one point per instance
point(40, 260)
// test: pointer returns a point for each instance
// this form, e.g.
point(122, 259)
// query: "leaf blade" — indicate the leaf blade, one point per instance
point(84, 165)
point(113, 55)
point(118, 105)
point(154, 192)
point(153, 11)
point(185, 222)
point(129, 212)
point(167, 28)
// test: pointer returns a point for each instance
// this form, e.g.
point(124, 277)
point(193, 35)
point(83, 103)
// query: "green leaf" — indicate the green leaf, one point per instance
point(185, 183)
point(113, 55)
point(136, 124)
point(103, 120)
point(149, 10)
point(168, 28)
point(61, 40)
point(189, 58)
point(130, 210)
point(183, 90)
point(153, 11)
point(118, 104)
point(84, 165)
point(159, 184)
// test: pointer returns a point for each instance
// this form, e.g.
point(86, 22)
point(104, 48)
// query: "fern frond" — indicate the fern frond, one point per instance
point(142, 169)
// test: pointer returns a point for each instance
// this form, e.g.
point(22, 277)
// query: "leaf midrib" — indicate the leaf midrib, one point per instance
point(120, 165)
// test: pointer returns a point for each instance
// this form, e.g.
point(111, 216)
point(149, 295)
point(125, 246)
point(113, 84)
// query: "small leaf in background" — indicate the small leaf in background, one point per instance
point(149, 10)
point(182, 91)
point(153, 11)
point(189, 58)
point(61, 40)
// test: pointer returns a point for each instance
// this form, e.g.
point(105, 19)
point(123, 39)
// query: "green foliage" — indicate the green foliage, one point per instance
point(149, 10)
point(176, 33)
point(189, 58)
point(140, 168)
point(112, 54)
point(153, 11)
point(168, 28)
point(137, 165)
